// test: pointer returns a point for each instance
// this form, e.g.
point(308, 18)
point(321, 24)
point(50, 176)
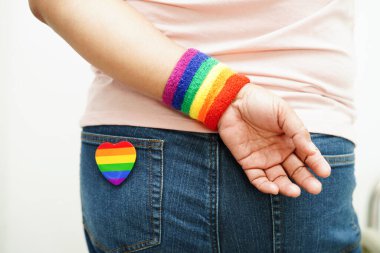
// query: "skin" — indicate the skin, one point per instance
point(261, 130)
point(269, 141)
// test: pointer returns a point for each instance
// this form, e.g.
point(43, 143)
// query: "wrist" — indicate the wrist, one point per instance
point(242, 92)
point(202, 87)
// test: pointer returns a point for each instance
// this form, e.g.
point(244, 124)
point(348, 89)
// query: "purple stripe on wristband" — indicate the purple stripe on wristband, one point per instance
point(175, 76)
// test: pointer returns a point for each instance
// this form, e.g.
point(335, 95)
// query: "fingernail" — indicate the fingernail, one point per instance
point(295, 190)
point(274, 189)
point(315, 186)
point(327, 169)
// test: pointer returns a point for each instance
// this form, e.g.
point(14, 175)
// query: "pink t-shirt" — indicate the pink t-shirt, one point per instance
point(300, 50)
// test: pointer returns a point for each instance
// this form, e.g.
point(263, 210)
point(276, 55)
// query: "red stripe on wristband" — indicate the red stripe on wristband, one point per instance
point(224, 99)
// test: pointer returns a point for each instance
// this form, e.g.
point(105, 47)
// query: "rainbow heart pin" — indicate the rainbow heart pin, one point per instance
point(115, 161)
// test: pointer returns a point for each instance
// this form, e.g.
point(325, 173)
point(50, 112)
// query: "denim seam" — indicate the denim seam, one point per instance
point(161, 190)
point(210, 195)
point(119, 139)
point(276, 223)
point(137, 142)
point(213, 194)
point(273, 226)
point(150, 195)
point(341, 164)
point(340, 160)
point(152, 240)
point(217, 197)
point(157, 200)
point(350, 155)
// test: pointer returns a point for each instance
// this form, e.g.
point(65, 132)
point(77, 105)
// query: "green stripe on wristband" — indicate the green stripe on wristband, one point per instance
point(196, 82)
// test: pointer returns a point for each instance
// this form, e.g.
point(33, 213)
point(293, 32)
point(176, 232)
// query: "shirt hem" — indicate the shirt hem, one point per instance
point(346, 131)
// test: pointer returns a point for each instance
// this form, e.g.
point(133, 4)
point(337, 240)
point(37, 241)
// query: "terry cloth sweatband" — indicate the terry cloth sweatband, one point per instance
point(202, 87)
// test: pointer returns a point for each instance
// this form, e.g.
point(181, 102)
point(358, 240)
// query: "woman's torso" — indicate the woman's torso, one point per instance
point(301, 50)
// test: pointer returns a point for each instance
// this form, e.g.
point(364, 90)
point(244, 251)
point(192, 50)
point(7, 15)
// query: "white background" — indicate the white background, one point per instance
point(43, 88)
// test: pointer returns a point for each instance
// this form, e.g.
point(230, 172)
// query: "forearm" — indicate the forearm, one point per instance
point(115, 38)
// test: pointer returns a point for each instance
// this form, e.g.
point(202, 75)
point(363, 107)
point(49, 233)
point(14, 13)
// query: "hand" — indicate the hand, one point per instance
point(270, 142)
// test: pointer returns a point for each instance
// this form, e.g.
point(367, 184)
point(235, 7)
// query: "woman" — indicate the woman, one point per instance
point(234, 185)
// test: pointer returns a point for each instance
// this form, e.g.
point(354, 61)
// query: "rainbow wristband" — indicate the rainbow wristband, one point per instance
point(202, 87)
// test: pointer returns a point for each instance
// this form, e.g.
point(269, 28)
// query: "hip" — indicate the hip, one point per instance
point(186, 192)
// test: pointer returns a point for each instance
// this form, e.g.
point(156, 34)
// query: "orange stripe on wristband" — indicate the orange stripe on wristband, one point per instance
point(224, 99)
point(217, 86)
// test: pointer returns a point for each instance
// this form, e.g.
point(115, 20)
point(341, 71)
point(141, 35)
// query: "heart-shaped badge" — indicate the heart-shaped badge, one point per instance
point(115, 161)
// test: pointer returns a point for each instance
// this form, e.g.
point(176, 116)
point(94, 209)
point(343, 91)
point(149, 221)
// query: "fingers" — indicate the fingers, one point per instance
point(305, 148)
point(273, 181)
point(258, 178)
point(293, 127)
point(278, 175)
point(276, 179)
point(316, 162)
point(296, 169)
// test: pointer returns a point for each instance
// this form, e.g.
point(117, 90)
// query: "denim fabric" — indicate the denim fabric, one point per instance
point(186, 193)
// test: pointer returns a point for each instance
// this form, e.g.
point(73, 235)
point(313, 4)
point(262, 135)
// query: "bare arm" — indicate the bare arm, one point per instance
point(114, 37)
point(260, 129)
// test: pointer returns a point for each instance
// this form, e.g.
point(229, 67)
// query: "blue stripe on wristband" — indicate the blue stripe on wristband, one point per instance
point(187, 77)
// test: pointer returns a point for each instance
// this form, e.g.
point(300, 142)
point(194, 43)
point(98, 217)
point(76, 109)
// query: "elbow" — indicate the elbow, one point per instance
point(35, 8)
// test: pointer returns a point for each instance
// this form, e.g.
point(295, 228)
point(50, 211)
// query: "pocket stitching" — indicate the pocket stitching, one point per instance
point(123, 248)
point(150, 194)
point(96, 139)
point(153, 225)
point(340, 160)
point(152, 241)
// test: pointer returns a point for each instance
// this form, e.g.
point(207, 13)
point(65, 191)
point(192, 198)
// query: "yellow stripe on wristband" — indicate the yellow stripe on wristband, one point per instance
point(203, 91)
point(214, 91)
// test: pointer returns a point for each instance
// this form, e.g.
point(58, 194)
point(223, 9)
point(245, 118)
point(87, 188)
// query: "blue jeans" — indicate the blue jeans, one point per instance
point(186, 193)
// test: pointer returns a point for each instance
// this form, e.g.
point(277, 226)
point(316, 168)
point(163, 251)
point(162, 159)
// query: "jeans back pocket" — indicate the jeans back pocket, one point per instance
point(124, 218)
